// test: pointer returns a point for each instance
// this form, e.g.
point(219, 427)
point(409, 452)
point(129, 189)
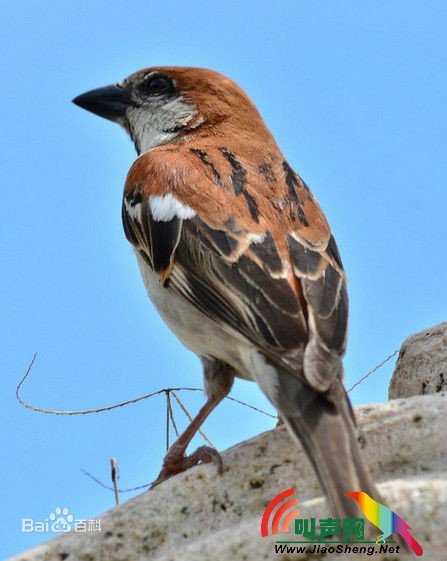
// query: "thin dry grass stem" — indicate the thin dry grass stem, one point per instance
point(185, 411)
point(114, 475)
point(169, 417)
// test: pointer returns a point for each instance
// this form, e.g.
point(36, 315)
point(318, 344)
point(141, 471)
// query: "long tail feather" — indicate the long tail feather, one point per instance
point(326, 431)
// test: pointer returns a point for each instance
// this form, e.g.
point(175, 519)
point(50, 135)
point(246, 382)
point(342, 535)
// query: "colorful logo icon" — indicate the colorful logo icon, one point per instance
point(281, 515)
point(345, 535)
point(385, 519)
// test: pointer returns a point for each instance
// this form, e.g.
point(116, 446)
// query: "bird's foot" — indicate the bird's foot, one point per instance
point(175, 462)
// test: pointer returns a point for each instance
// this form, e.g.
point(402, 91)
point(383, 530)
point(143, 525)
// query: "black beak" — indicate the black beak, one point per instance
point(109, 102)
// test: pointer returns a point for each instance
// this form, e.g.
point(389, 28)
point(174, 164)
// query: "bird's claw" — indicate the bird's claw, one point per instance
point(175, 462)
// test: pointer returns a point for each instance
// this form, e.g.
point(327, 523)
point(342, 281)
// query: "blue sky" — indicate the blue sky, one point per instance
point(355, 95)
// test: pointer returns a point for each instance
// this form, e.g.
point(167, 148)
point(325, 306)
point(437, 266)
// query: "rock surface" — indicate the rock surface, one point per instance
point(421, 368)
point(197, 516)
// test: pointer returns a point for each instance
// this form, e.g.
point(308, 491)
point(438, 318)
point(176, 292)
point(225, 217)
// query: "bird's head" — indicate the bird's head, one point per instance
point(167, 104)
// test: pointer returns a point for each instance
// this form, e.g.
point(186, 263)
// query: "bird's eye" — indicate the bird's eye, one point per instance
point(158, 84)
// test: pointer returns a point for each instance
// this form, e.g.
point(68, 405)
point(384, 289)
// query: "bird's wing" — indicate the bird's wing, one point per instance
point(245, 242)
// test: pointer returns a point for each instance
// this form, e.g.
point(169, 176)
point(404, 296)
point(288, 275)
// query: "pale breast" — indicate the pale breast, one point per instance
point(195, 330)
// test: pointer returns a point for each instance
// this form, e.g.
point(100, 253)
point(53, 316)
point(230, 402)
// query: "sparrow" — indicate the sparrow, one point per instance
point(239, 260)
point(386, 520)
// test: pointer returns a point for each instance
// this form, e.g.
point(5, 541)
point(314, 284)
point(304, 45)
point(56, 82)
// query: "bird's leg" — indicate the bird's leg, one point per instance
point(218, 381)
point(176, 461)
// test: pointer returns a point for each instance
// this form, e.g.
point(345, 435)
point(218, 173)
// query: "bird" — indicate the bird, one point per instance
point(386, 520)
point(239, 260)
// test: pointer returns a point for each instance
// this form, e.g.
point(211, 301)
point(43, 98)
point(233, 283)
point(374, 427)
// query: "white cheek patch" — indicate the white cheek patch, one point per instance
point(165, 207)
point(158, 122)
